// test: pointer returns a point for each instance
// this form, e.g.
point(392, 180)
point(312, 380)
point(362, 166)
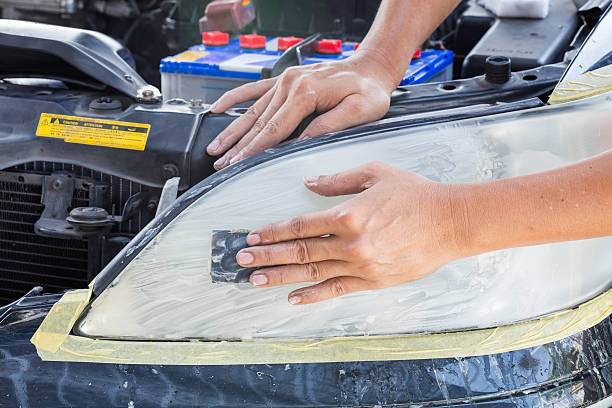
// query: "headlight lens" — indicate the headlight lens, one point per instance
point(165, 292)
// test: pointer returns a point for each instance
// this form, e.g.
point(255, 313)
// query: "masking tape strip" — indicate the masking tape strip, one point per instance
point(588, 84)
point(54, 343)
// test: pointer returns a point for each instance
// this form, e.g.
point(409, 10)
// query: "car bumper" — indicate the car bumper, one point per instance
point(573, 372)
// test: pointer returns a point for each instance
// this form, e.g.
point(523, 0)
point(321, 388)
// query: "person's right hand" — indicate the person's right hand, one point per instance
point(346, 93)
point(399, 227)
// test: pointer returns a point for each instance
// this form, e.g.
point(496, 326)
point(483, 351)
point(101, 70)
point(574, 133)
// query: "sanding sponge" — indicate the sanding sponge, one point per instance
point(224, 246)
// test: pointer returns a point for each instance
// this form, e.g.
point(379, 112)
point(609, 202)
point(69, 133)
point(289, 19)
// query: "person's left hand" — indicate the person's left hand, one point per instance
point(345, 93)
point(400, 227)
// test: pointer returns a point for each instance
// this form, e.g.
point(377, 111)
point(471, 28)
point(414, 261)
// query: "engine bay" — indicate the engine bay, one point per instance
point(69, 204)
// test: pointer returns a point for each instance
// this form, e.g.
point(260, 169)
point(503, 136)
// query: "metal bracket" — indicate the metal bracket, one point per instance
point(57, 192)
point(293, 56)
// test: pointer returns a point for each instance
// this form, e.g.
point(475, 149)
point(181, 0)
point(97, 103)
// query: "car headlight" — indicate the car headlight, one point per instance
point(159, 287)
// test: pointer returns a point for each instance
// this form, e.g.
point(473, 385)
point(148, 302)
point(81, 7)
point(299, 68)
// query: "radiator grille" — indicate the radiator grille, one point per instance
point(27, 259)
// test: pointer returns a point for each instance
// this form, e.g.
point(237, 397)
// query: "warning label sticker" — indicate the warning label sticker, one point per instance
point(190, 56)
point(97, 132)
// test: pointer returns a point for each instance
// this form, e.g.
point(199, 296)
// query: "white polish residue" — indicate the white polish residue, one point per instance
point(167, 293)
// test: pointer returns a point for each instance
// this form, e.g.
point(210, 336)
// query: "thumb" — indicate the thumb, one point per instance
point(352, 181)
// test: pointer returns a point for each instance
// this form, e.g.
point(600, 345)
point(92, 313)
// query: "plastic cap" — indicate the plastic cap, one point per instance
point(252, 41)
point(327, 46)
point(215, 38)
point(498, 69)
point(417, 54)
point(287, 42)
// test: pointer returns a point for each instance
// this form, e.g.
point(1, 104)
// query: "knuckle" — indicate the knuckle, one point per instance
point(303, 85)
point(349, 220)
point(267, 256)
point(369, 270)
point(313, 273)
point(272, 127)
point(297, 226)
point(289, 76)
point(336, 287)
point(269, 234)
point(332, 179)
point(282, 278)
point(252, 112)
point(300, 251)
point(359, 250)
point(259, 125)
point(376, 166)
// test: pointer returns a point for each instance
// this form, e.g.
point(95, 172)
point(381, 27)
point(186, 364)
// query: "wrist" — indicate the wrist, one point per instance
point(376, 64)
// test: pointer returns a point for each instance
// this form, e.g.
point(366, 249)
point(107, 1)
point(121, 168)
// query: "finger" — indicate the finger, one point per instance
point(349, 112)
point(309, 225)
point(299, 251)
point(260, 124)
point(243, 93)
point(352, 181)
point(280, 126)
point(239, 127)
point(276, 98)
point(330, 288)
point(310, 272)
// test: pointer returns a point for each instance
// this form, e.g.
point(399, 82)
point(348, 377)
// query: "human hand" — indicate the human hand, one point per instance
point(346, 93)
point(398, 228)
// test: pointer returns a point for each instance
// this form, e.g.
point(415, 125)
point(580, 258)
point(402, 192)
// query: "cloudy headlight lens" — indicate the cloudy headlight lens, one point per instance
point(165, 292)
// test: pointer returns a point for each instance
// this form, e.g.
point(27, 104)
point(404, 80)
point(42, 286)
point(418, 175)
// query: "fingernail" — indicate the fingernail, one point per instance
point(295, 299)
point(259, 280)
point(236, 158)
point(214, 146)
point(253, 239)
point(311, 179)
point(220, 163)
point(213, 106)
point(244, 258)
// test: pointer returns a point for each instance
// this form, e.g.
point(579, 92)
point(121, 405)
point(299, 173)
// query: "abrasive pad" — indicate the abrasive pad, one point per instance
point(224, 246)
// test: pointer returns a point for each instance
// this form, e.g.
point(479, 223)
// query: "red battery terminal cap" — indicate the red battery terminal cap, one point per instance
point(252, 41)
point(285, 43)
point(215, 38)
point(327, 46)
point(417, 54)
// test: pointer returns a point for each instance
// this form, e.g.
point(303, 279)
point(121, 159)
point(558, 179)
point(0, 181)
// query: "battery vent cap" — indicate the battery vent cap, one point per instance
point(215, 38)
point(327, 46)
point(252, 41)
point(287, 42)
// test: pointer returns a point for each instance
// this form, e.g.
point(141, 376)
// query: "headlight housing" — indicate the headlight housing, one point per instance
point(159, 288)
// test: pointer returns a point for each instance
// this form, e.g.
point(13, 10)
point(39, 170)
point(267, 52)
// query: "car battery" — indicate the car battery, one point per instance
point(207, 71)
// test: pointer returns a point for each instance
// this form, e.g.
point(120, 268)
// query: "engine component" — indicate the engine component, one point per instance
point(528, 43)
point(207, 71)
point(124, 180)
point(498, 69)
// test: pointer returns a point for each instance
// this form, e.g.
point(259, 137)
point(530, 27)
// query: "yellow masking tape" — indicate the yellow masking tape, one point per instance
point(97, 132)
point(54, 342)
point(588, 84)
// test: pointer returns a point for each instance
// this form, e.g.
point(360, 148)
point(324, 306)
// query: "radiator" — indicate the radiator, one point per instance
point(27, 259)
